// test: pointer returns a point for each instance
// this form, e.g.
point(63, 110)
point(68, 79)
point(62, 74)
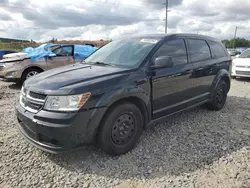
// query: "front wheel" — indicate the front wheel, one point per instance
point(121, 129)
point(220, 96)
point(29, 73)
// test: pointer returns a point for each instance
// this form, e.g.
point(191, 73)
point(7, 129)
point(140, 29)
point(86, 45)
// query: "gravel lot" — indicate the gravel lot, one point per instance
point(198, 148)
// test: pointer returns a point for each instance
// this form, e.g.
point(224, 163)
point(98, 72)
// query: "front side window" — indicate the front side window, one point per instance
point(176, 49)
point(63, 51)
point(245, 54)
point(127, 53)
point(198, 50)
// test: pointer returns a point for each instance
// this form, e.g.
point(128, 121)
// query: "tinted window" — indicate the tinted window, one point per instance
point(217, 49)
point(64, 51)
point(175, 48)
point(199, 50)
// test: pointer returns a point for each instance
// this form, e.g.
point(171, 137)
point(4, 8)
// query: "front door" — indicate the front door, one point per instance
point(64, 56)
point(172, 87)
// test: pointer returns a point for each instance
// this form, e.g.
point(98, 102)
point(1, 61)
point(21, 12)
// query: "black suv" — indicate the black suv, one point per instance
point(121, 89)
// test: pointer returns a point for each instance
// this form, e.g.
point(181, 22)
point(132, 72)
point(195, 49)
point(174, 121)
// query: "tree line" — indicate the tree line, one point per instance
point(233, 43)
point(236, 43)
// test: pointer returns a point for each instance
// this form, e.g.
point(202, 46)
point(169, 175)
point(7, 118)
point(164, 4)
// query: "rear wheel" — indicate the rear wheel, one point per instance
point(219, 97)
point(121, 129)
point(29, 73)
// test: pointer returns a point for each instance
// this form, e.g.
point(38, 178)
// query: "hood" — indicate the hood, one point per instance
point(241, 61)
point(13, 57)
point(63, 80)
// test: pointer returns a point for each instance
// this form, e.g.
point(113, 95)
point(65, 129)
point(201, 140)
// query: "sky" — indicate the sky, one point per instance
point(41, 20)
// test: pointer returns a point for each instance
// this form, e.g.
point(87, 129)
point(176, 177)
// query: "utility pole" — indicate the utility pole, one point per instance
point(235, 32)
point(166, 24)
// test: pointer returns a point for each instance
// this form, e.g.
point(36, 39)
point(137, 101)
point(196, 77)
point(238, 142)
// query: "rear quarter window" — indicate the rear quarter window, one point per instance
point(217, 49)
point(199, 50)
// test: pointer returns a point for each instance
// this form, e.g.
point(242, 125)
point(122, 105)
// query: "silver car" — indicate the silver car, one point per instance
point(18, 67)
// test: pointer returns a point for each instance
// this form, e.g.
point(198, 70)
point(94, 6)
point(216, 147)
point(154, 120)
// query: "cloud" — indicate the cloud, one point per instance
point(105, 19)
point(161, 3)
point(4, 16)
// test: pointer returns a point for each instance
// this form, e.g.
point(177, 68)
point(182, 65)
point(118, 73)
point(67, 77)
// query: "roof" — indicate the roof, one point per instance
point(162, 36)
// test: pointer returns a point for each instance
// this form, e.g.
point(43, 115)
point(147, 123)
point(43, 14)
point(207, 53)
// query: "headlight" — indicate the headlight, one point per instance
point(8, 65)
point(233, 64)
point(66, 103)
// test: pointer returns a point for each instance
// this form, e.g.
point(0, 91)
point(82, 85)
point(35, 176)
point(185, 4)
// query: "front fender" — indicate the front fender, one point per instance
point(111, 97)
point(139, 94)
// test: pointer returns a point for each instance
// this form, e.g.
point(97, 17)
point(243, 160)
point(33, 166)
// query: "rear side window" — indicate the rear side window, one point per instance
point(217, 49)
point(198, 50)
point(175, 48)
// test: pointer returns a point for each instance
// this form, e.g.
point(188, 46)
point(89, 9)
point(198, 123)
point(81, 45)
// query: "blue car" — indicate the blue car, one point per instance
point(4, 52)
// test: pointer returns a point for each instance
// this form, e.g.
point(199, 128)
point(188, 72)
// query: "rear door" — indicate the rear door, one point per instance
point(64, 56)
point(206, 64)
point(172, 87)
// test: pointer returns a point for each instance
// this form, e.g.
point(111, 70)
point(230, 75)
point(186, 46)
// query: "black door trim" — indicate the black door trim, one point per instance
point(182, 103)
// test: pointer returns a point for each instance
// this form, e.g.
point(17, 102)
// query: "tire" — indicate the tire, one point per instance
point(219, 98)
point(28, 73)
point(121, 129)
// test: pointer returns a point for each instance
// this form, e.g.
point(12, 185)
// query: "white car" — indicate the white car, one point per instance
point(241, 65)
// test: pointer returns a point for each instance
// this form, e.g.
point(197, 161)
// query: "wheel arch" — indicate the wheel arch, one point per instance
point(27, 69)
point(140, 103)
point(222, 75)
point(32, 67)
point(136, 101)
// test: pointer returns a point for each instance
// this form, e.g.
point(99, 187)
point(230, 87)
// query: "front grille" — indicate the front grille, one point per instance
point(1, 68)
point(37, 95)
point(31, 101)
point(33, 105)
point(243, 72)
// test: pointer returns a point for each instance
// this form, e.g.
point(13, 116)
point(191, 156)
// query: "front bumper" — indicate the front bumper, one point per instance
point(240, 72)
point(11, 72)
point(59, 132)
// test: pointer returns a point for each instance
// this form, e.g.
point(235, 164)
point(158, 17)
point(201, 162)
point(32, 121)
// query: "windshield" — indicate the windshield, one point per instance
point(127, 53)
point(245, 54)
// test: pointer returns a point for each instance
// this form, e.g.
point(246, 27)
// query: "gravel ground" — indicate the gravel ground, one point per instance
point(198, 148)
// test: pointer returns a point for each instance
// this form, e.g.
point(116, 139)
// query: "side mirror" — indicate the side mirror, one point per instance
point(237, 56)
point(162, 62)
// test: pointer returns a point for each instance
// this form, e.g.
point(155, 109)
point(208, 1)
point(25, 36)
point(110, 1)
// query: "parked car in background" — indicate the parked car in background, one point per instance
point(122, 88)
point(241, 65)
point(20, 66)
point(5, 52)
point(232, 52)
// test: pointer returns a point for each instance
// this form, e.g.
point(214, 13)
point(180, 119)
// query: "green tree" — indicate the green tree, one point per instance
point(238, 42)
